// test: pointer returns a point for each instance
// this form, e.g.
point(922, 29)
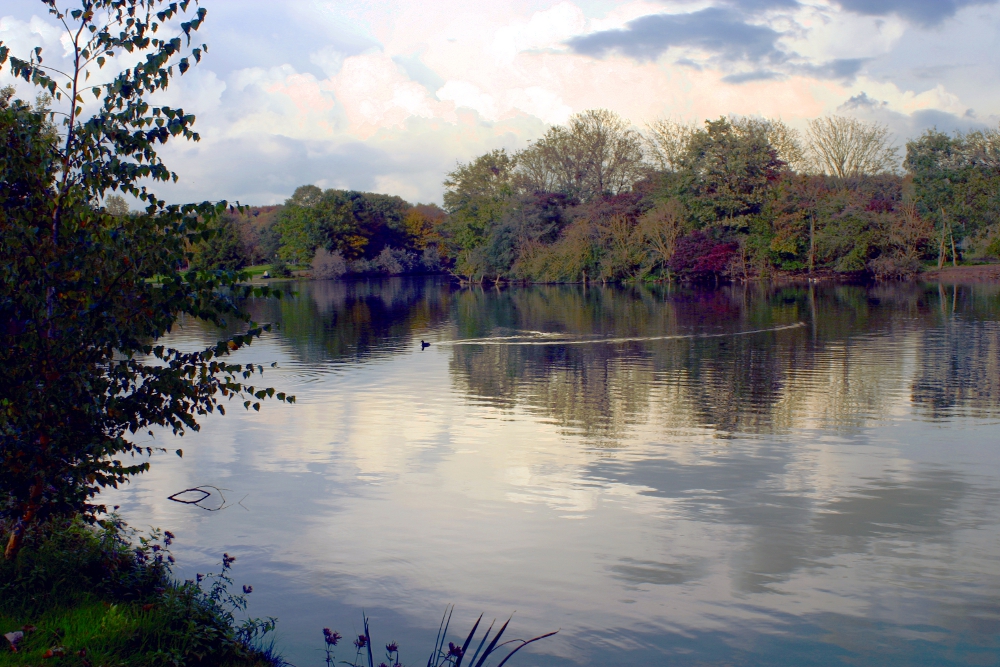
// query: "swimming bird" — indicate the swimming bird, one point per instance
point(424, 344)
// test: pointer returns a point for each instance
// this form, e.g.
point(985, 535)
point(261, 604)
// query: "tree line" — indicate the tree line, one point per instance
point(737, 198)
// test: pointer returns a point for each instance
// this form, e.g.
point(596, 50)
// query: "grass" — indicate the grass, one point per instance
point(97, 632)
point(101, 595)
point(257, 269)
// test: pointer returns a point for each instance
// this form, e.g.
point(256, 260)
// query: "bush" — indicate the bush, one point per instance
point(327, 265)
point(280, 268)
point(993, 249)
point(430, 260)
point(698, 256)
point(393, 261)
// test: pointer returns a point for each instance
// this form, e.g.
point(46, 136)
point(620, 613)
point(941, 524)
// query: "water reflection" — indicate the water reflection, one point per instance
point(810, 495)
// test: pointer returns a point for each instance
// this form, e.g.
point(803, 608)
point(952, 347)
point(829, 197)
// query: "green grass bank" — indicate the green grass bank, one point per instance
point(102, 595)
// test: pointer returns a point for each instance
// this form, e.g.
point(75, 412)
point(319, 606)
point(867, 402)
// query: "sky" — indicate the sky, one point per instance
point(388, 96)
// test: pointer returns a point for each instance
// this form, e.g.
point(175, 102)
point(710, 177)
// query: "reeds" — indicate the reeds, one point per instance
point(453, 656)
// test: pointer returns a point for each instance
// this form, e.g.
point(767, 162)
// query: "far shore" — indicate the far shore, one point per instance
point(973, 273)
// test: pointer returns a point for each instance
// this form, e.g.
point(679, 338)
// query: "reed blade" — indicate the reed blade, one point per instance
point(485, 637)
point(435, 658)
point(489, 649)
point(525, 644)
point(368, 637)
point(468, 640)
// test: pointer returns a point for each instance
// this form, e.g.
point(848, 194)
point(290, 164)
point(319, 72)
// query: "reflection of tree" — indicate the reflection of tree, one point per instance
point(332, 320)
point(602, 388)
point(959, 362)
point(847, 366)
point(852, 362)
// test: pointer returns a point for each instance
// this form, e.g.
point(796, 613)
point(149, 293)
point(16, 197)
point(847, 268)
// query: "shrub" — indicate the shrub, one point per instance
point(698, 256)
point(393, 261)
point(327, 265)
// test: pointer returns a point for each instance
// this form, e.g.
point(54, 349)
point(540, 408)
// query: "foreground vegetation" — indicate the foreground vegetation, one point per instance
point(100, 595)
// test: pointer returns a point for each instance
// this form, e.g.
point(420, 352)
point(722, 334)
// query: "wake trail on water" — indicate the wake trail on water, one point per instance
point(544, 338)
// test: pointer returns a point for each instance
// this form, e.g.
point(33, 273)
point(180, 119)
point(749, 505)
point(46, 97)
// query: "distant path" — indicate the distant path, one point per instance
point(984, 273)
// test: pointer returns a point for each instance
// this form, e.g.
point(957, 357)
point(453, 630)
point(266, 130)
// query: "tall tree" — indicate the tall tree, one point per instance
point(956, 184)
point(596, 153)
point(729, 171)
point(786, 140)
point(84, 294)
point(667, 143)
point(476, 197)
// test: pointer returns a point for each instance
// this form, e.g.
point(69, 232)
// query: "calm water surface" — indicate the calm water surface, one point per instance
point(821, 492)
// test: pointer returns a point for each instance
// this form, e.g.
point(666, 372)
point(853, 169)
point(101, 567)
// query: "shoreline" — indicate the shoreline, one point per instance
point(971, 274)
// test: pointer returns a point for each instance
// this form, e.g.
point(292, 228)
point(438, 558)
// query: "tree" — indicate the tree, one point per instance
point(85, 295)
point(422, 223)
point(297, 225)
point(667, 143)
point(956, 183)
point(223, 249)
point(729, 171)
point(597, 153)
point(787, 141)
point(661, 227)
point(116, 206)
point(475, 197)
point(841, 146)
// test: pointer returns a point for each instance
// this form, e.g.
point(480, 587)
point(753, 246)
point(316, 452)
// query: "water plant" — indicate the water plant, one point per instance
point(454, 655)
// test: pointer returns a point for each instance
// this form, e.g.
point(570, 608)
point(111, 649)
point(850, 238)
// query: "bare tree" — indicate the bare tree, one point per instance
point(667, 142)
point(596, 153)
point(842, 146)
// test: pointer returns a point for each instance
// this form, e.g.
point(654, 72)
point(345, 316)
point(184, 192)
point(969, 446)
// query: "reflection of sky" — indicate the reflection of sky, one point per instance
point(844, 524)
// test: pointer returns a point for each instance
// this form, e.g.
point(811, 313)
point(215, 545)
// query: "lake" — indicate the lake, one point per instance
point(746, 475)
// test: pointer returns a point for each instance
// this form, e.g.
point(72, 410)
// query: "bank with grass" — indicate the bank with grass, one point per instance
point(79, 594)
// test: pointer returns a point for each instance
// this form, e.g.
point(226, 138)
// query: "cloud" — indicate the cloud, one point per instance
point(261, 33)
point(717, 30)
point(761, 5)
point(840, 68)
point(906, 125)
point(862, 101)
point(759, 75)
point(926, 12)
point(417, 71)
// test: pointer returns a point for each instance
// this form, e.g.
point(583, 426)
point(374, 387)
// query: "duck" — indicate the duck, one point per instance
point(424, 344)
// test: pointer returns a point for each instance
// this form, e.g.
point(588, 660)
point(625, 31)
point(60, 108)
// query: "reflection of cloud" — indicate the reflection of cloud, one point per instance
point(658, 574)
point(895, 508)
